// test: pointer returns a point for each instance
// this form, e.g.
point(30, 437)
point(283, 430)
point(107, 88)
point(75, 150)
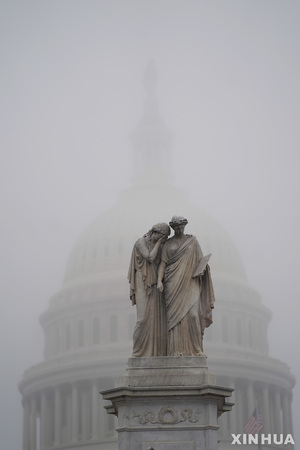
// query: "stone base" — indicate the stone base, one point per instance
point(167, 403)
point(167, 371)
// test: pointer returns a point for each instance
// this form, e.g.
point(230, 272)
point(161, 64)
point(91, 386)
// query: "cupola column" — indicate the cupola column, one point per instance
point(57, 416)
point(68, 401)
point(95, 410)
point(290, 413)
point(43, 421)
point(266, 409)
point(287, 414)
point(26, 425)
point(250, 398)
point(75, 412)
point(84, 415)
point(33, 424)
point(277, 412)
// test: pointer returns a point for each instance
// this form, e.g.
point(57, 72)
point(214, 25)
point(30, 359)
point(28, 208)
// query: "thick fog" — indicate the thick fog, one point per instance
point(72, 92)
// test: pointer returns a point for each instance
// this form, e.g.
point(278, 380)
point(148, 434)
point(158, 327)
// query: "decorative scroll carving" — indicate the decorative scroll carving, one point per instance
point(167, 416)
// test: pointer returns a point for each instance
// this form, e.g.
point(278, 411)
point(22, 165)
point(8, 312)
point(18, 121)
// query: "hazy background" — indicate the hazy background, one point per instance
point(71, 94)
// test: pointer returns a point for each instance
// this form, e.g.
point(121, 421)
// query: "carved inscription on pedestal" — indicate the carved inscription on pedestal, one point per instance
point(167, 416)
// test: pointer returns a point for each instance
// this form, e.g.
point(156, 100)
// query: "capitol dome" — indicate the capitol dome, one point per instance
point(89, 323)
point(107, 242)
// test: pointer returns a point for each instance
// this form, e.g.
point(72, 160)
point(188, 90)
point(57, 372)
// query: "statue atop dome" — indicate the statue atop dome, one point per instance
point(151, 139)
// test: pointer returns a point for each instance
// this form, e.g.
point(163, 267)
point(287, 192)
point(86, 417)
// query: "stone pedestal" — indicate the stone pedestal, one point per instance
point(167, 403)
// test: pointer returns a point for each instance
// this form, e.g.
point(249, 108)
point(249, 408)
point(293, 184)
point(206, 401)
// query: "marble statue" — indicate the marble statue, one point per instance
point(150, 333)
point(184, 278)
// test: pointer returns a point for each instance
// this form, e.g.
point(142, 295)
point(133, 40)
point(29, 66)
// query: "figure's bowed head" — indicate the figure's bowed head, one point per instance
point(160, 232)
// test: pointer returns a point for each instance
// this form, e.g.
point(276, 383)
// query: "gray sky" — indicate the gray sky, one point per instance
point(228, 87)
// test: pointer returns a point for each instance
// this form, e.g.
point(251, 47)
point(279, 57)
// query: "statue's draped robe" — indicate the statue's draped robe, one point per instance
point(150, 333)
point(188, 297)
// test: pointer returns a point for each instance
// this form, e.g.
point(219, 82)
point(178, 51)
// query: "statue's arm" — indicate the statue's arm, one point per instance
point(160, 275)
point(143, 249)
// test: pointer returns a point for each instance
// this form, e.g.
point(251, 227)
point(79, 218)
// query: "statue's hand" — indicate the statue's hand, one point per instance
point(160, 286)
point(162, 240)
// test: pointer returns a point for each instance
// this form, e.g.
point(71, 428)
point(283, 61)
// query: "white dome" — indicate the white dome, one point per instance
point(106, 244)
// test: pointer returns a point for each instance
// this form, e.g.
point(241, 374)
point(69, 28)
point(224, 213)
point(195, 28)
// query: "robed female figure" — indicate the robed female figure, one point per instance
point(184, 278)
point(150, 333)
